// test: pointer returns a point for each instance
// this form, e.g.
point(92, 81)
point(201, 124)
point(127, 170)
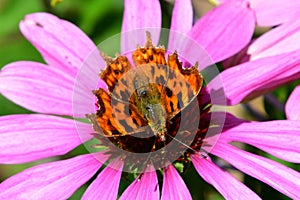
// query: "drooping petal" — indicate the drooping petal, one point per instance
point(282, 39)
point(55, 180)
point(37, 87)
point(25, 138)
point(274, 12)
point(254, 78)
point(139, 17)
point(292, 106)
point(182, 22)
point(280, 138)
point(61, 43)
point(239, 58)
point(278, 176)
point(173, 185)
point(225, 30)
point(107, 183)
point(144, 187)
point(227, 185)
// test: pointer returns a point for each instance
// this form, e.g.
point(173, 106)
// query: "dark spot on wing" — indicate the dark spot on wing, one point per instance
point(161, 79)
point(152, 70)
point(102, 109)
point(134, 121)
point(126, 127)
point(179, 96)
point(117, 110)
point(169, 92)
point(151, 57)
point(175, 83)
point(123, 95)
point(115, 132)
point(123, 81)
point(172, 106)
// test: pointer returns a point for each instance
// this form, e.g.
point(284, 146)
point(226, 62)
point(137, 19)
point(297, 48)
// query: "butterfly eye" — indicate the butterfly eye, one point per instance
point(143, 93)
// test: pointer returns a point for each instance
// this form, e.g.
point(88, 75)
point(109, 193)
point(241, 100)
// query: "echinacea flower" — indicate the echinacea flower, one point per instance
point(48, 89)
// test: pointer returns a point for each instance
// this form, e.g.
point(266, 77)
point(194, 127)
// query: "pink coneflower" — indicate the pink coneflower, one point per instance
point(48, 89)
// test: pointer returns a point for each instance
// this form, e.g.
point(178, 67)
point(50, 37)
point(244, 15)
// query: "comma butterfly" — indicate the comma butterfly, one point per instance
point(143, 98)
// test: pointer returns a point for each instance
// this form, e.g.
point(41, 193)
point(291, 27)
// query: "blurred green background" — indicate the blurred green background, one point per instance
point(100, 19)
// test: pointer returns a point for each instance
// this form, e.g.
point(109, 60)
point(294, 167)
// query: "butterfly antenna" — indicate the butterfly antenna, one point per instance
point(187, 146)
point(119, 100)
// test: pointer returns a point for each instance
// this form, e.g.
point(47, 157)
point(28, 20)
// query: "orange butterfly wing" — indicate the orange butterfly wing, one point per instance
point(115, 118)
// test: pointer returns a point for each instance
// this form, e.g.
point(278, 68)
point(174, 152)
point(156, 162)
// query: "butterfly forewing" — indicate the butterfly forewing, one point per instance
point(184, 84)
point(115, 70)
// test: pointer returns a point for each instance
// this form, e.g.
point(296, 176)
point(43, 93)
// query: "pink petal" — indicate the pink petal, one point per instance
point(239, 58)
point(87, 80)
point(145, 187)
point(283, 39)
point(61, 43)
point(280, 138)
point(292, 106)
point(138, 17)
point(56, 180)
point(173, 185)
point(107, 183)
point(227, 185)
point(280, 177)
point(25, 138)
point(255, 78)
point(182, 17)
point(245, 2)
point(182, 22)
point(225, 30)
point(274, 12)
point(37, 87)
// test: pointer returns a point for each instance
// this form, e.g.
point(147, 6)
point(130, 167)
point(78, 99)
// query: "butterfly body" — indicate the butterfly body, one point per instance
point(149, 100)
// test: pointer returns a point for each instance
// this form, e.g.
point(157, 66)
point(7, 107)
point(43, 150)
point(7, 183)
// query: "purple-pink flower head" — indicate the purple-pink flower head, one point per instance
point(168, 94)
